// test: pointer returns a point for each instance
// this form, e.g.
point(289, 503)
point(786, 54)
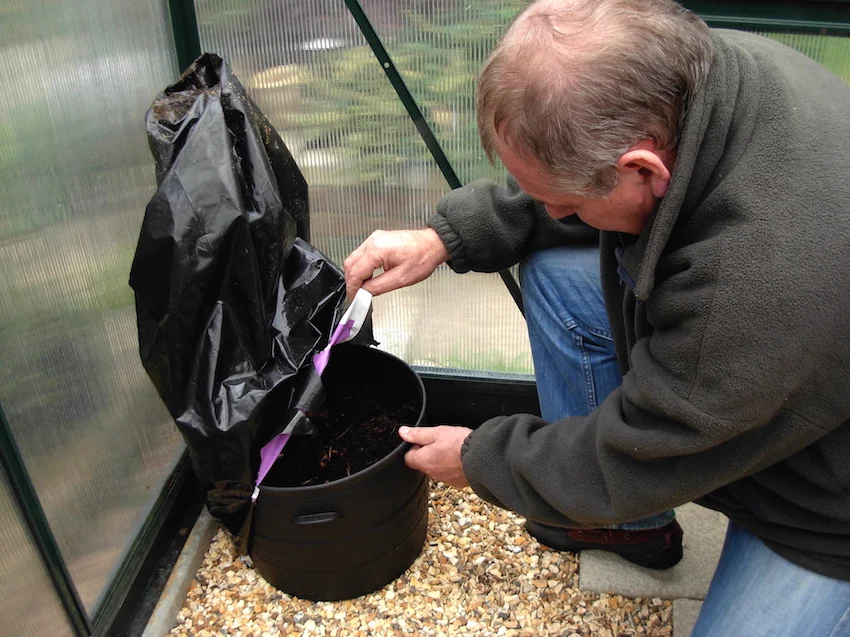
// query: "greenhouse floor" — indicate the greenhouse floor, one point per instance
point(479, 573)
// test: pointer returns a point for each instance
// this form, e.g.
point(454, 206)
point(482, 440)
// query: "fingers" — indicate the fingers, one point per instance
point(419, 435)
point(414, 459)
point(360, 265)
point(436, 452)
point(406, 256)
point(382, 283)
point(422, 458)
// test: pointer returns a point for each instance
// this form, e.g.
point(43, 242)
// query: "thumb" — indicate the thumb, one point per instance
point(384, 282)
point(417, 435)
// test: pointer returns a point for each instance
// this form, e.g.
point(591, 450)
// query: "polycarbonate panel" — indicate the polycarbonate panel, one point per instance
point(310, 70)
point(75, 81)
point(439, 47)
point(29, 604)
point(831, 51)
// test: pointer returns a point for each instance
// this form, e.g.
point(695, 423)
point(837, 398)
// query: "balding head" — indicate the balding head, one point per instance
point(576, 83)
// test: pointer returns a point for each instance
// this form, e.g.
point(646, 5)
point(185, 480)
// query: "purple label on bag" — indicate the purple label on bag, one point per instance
point(341, 333)
point(272, 449)
point(268, 455)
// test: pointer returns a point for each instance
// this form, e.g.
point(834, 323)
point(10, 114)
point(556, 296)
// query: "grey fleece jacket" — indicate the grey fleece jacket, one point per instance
point(731, 316)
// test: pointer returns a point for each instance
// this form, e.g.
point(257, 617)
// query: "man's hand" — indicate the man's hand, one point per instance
point(406, 256)
point(436, 452)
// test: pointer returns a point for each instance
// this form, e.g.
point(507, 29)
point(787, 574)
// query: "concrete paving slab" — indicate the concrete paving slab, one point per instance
point(685, 613)
point(603, 572)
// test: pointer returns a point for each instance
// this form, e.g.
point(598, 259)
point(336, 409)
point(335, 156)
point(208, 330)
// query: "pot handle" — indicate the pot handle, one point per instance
point(317, 518)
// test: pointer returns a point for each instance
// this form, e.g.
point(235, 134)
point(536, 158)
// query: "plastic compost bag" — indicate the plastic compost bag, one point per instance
point(231, 301)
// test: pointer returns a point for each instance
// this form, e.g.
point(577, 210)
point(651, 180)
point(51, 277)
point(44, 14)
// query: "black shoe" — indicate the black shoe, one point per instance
point(652, 548)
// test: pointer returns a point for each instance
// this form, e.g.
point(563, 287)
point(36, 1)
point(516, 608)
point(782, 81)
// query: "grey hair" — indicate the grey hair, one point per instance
point(576, 83)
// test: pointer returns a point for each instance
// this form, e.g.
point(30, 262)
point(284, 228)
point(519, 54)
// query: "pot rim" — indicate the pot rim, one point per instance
point(358, 476)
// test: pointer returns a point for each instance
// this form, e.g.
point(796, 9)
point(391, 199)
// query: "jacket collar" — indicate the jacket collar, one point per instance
point(711, 121)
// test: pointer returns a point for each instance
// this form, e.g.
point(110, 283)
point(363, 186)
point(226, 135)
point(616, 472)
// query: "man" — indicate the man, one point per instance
point(713, 363)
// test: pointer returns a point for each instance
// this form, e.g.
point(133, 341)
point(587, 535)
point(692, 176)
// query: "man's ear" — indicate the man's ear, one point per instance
point(647, 165)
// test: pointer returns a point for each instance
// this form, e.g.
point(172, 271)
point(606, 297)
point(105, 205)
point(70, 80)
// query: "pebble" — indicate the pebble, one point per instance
point(479, 574)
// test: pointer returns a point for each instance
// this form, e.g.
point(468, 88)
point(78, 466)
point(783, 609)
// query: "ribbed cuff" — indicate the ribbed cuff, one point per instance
point(458, 259)
point(465, 446)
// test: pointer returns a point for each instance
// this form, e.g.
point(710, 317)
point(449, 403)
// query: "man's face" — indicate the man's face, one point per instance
point(625, 209)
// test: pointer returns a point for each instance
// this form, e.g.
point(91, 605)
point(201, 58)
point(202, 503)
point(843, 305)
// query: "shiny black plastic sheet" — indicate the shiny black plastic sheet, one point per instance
point(231, 304)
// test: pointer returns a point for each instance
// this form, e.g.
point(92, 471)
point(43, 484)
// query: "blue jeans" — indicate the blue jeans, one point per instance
point(757, 593)
point(575, 364)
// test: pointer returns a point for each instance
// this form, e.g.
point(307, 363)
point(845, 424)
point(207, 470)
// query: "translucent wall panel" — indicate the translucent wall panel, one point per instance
point(440, 46)
point(833, 52)
point(75, 172)
point(310, 70)
point(29, 604)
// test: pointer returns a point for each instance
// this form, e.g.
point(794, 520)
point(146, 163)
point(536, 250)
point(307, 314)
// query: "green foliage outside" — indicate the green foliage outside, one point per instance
point(348, 104)
point(491, 361)
point(347, 101)
point(830, 51)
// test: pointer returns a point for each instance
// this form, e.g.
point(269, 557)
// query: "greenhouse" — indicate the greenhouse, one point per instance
point(131, 503)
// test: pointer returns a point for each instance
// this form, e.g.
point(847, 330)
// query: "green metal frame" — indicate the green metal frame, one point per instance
point(114, 595)
point(418, 119)
point(822, 18)
point(184, 26)
point(33, 513)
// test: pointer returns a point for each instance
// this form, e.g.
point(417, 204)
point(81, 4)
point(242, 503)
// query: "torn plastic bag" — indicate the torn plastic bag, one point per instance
point(312, 393)
point(231, 305)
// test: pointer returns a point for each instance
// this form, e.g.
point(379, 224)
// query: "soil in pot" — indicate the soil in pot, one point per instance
point(357, 426)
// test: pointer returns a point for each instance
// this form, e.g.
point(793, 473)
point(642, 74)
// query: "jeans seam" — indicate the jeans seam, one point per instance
point(573, 325)
point(841, 625)
point(589, 386)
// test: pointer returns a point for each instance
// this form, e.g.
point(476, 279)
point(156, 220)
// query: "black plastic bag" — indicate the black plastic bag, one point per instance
point(231, 305)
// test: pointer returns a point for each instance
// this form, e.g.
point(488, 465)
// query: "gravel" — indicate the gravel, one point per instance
point(479, 573)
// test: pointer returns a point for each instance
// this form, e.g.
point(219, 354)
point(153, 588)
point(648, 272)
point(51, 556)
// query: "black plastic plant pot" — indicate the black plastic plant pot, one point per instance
point(353, 535)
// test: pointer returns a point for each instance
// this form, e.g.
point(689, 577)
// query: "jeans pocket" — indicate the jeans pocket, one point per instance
point(595, 335)
point(600, 372)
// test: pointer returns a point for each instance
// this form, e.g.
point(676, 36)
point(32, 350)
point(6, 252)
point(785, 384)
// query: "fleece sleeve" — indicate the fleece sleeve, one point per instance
point(487, 227)
point(709, 399)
